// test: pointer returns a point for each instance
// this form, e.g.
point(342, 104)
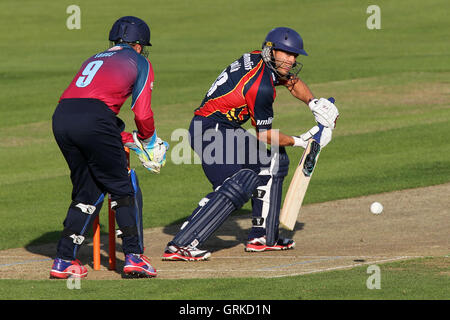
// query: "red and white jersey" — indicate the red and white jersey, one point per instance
point(244, 90)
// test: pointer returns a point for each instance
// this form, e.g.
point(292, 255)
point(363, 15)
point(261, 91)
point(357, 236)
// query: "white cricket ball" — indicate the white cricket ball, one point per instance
point(376, 208)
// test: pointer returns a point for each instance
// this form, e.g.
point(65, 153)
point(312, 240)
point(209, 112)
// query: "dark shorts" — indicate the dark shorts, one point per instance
point(88, 134)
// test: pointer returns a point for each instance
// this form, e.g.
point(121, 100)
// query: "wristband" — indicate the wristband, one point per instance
point(312, 103)
point(310, 100)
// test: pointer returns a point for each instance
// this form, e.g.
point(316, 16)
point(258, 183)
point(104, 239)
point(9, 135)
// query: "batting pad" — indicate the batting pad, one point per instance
point(270, 195)
point(210, 215)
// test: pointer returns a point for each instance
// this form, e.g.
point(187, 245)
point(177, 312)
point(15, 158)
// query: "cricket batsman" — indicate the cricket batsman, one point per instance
point(237, 170)
point(91, 138)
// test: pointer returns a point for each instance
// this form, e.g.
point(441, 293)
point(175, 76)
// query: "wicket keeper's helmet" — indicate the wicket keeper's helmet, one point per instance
point(285, 39)
point(130, 29)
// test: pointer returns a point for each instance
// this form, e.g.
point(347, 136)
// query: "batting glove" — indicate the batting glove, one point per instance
point(324, 111)
point(324, 137)
point(302, 140)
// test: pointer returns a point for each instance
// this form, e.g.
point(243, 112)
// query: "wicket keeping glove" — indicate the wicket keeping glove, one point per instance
point(151, 152)
point(324, 111)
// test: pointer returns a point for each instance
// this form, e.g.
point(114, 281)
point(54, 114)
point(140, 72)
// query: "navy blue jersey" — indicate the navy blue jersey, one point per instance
point(244, 90)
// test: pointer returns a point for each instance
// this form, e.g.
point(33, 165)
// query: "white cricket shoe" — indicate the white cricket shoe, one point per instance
point(259, 244)
point(188, 253)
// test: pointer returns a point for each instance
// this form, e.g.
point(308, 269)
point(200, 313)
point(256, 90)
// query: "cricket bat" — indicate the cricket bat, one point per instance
point(300, 181)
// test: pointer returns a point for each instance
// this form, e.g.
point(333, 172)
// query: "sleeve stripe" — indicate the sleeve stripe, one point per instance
point(143, 87)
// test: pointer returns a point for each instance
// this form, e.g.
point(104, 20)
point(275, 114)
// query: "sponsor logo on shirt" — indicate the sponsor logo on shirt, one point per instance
point(105, 54)
point(235, 66)
point(248, 63)
point(264, 122)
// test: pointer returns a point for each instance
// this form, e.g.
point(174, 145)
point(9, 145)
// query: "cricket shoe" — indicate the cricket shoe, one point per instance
point(63, 269)
point(259, 244)
point(138, 266)
point(189, 253)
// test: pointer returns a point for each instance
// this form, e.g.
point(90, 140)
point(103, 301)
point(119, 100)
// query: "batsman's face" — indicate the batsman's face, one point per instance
point(284, 61)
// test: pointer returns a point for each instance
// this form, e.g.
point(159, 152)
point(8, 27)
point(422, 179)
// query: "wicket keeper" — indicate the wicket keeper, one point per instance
point(91, 137)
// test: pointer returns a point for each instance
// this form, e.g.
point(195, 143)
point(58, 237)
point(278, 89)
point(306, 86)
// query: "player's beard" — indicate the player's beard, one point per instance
point(288, 72)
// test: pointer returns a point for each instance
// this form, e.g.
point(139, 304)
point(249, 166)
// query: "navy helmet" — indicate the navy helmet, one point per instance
point(130, 29)
point(285, 39)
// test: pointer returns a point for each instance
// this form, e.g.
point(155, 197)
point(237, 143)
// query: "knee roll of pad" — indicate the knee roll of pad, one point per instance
point(281, 166)
point(278, 170)
point(239, 187)
point(209, 216)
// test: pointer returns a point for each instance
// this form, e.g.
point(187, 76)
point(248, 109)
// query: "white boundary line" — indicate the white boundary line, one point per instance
point(323, 258)
point(346, 267)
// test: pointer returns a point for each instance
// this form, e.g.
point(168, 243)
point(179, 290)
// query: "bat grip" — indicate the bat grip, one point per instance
point(319, 133)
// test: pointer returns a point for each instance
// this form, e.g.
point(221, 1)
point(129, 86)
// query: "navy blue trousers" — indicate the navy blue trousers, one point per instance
point(224, 150)
point(88, 135)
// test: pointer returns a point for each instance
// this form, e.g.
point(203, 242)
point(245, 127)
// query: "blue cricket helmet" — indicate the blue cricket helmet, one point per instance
point(285, 39)
point(130, 29)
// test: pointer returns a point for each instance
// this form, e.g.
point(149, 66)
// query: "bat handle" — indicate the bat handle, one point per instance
point(319, 133)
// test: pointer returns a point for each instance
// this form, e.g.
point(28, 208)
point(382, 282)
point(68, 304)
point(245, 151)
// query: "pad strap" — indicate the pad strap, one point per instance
point(258, 222)
point(127, 232)
point(127, 201)
point(77, 238)
point(85, 208)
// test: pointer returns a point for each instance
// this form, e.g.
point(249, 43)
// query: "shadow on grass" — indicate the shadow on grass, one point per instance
point(230, 234)
point(46, 244)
